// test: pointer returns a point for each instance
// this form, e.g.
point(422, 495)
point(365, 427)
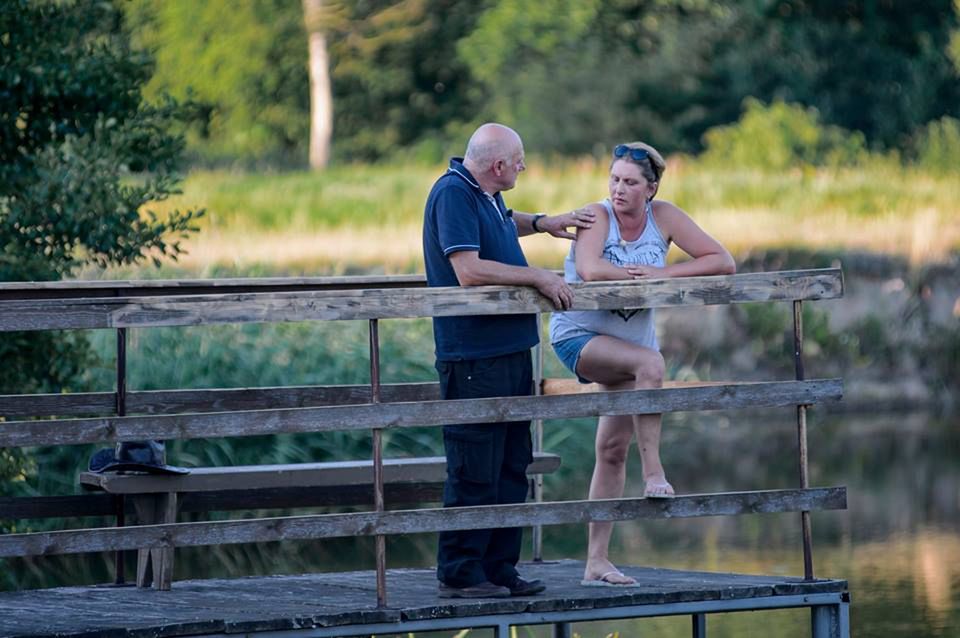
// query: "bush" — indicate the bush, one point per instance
point(779, 137)
point(81, 156)
point(937, 146)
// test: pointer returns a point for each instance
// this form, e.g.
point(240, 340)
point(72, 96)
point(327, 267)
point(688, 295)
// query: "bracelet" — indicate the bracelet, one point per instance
point(537, 218)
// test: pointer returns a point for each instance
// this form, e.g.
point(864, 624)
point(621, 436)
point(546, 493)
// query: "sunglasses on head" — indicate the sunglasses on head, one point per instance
point(636, 154)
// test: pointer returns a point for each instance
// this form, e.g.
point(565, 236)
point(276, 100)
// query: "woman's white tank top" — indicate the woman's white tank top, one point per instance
point(634, 326)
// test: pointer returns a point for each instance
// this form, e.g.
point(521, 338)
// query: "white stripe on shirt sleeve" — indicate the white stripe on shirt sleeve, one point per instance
point(452, 249)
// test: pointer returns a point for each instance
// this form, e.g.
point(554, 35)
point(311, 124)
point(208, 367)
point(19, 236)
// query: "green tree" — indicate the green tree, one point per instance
point(571, 74)
point(574, 77)
point(395, 76)
point(321, 93)
point(397, 79)
point(245, 62)
point(82, 154)
point(881, 67)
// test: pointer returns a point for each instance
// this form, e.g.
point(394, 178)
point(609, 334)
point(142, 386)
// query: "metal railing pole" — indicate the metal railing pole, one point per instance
point(802, 439)
point(121, 409)
point(378, 500)
point(538, 444)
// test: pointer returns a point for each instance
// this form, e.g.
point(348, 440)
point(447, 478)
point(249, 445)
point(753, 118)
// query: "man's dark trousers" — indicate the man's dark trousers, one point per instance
point(486, 465)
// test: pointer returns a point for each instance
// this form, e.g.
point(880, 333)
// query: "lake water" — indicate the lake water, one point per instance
point(898, 543)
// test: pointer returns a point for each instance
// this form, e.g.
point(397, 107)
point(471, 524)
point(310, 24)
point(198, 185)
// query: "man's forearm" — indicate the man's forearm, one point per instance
point(485, 272)
point(525, 223)
point(473, 271)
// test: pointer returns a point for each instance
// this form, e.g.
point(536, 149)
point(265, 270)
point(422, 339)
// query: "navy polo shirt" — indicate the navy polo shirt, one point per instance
point(460, 216)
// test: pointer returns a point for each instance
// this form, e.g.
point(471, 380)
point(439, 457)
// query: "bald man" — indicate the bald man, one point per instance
point(470, 238)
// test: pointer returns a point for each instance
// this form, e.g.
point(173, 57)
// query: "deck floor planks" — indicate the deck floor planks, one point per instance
point(272, 603)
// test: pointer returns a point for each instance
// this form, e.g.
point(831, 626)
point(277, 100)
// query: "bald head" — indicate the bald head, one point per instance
point(492, 142)
point(494, 157)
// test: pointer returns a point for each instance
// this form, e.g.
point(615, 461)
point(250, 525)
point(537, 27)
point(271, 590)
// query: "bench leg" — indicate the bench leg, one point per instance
point(155, 565)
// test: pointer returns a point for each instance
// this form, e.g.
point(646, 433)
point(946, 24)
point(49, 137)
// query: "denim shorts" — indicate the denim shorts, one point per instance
point(568, 351)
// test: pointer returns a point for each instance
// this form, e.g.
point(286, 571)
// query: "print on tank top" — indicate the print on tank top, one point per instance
point(642, 254)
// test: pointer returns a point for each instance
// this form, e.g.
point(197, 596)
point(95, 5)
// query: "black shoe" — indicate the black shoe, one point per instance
point(480, 590)
point(521, 587)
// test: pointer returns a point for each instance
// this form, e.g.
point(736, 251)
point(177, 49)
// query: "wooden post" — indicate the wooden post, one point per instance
point(802, 439)
point(378, 500)
point(155, 565)
point(121, 409)
point(538, 445)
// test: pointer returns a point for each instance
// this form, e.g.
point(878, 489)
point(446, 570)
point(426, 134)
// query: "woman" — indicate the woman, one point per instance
point(618, 349)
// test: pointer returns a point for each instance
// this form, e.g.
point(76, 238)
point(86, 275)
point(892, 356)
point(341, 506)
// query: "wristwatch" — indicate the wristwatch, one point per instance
point(536, 219)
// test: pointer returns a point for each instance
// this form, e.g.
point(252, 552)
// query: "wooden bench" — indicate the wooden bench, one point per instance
point(157, 499)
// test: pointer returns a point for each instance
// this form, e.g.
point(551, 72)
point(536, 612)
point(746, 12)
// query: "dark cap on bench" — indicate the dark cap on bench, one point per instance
point(135, 456)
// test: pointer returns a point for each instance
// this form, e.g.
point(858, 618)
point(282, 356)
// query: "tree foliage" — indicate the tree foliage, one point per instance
point(81, 156)
point(244, 62)
point(571, 76)
point(880, 67)
point(397, 78)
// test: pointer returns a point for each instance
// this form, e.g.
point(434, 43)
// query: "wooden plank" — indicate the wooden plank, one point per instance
point(424, 413)
point(245, 477)
point(296, 497)
point(572, 386)
point(192, 310)
point(78, 505)
point(23, 507)
point(313, 604)
point(419, 521)
point(227, 399)
point(210, 400)
point(169, 287)
point(22, 405)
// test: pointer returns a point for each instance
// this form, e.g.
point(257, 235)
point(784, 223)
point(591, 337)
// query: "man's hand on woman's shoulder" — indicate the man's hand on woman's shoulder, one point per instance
point(557, 225)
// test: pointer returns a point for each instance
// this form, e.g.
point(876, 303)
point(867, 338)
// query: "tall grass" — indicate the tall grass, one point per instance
point(368, 217)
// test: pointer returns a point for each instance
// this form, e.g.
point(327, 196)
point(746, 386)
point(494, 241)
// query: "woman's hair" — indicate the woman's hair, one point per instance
point(652, 166)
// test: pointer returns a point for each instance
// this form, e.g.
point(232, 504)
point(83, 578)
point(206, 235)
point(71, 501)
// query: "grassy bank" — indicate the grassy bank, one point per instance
point(368, 216)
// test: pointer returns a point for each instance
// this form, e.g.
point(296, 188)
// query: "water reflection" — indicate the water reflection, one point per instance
point(898, 544)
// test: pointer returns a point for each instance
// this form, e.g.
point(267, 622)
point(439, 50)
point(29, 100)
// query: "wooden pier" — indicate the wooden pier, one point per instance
point(344, 604)
point(381, 601)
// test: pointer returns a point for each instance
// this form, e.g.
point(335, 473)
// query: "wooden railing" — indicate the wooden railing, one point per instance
point(187, 414)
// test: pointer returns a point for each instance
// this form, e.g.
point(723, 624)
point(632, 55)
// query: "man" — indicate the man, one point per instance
point(470, 238)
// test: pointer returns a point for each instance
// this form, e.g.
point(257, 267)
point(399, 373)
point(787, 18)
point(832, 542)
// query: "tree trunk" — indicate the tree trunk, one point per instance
point(321, 94)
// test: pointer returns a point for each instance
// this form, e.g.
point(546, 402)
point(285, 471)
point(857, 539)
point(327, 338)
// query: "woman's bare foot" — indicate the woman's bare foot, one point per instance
point(657, 487)
point(603, 572)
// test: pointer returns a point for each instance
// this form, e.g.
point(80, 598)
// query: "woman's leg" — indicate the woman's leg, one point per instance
point(609, 474)
point(618, 365)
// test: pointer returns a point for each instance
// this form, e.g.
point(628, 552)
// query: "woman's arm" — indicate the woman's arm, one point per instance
point(709, 256)
point(591, 266)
